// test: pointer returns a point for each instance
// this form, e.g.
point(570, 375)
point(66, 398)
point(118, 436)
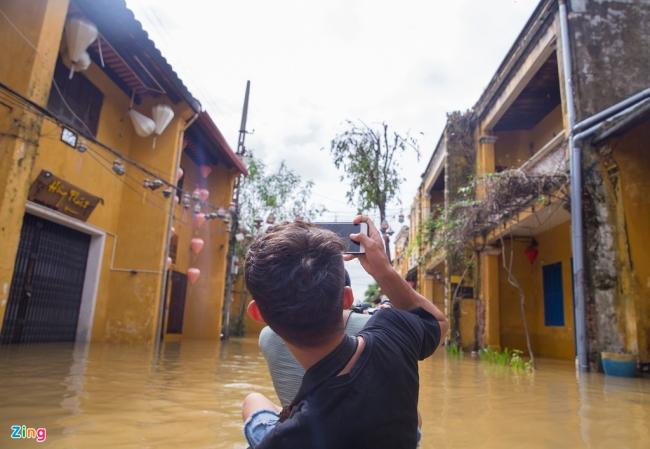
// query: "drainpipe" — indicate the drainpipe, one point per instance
point(158, 337)
point(575, 173)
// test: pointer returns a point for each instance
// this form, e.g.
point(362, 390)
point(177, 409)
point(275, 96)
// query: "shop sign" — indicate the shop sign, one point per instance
point(53, 192)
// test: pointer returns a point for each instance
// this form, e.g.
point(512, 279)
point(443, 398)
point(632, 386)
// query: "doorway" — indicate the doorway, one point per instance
point(47, 284)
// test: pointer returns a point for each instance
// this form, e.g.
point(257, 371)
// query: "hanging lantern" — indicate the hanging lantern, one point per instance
point(82, 64)
point(196, 195)
point(400, 218)
point(187, 201)
point(205, 170)
point(197, 244)
point(193, 274)
point(232, 208)
point(142, 124)
point(221, 212)
point(531, 252)
point(118, 167)
point(162, 116)
point(79, 34)
point(179, 174)
point(197, 208)
point(199, 219)
point(168, 263)
point(204, 194)
point(270, 219)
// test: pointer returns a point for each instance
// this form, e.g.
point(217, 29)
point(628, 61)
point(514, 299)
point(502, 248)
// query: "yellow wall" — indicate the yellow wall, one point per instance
point(631, 152)
point(204, 299)
point(513, 148)
point(28, 71)
point(547, 341)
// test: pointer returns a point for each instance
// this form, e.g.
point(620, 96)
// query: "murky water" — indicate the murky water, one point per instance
point(189, 397)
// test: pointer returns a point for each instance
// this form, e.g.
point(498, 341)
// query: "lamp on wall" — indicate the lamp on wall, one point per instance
point(79, 34)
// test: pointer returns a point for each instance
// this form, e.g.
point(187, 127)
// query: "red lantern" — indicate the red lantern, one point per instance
point(193, 274)
point(204, 194)
point(197, 245)
point(205, 170)
point(199, 219)
point(531, 252)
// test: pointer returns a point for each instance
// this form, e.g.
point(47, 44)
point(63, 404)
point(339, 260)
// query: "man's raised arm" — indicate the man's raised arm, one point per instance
point(375, 262)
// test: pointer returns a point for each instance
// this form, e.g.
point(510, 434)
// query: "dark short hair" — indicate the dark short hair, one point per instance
point(295, 274)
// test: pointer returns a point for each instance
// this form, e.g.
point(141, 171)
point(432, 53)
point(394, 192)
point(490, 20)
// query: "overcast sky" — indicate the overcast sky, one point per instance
point(314, 64)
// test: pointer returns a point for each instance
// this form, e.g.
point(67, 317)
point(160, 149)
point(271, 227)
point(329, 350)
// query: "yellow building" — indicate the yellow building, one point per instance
point(87, 205)
point(517, 143)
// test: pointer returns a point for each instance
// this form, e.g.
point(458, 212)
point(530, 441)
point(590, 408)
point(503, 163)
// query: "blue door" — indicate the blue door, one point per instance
point(553, 295)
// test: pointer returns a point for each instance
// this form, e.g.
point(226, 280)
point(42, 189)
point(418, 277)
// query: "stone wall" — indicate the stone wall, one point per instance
point(610, 51)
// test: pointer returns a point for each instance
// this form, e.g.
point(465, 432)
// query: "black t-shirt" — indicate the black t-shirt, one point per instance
point(375, 404)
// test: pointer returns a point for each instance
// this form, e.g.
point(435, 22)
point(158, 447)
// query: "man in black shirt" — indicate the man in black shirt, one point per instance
point(358, 392)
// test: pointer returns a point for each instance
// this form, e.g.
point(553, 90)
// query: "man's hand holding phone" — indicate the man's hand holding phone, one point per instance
point(374, 260)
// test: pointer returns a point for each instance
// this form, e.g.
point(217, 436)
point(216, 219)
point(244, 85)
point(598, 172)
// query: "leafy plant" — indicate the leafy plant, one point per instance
point(506, 357)
point(454, 350)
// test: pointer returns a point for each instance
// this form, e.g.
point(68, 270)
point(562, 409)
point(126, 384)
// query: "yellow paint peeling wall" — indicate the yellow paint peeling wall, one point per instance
point(632, 153)
point(547, 341)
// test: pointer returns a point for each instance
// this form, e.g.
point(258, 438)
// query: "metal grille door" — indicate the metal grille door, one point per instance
point(47, 284)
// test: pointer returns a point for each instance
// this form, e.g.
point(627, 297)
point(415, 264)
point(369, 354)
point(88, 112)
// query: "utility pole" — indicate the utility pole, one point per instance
point(234, 225)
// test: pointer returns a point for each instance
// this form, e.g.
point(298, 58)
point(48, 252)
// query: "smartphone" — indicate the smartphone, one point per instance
point(344, 230)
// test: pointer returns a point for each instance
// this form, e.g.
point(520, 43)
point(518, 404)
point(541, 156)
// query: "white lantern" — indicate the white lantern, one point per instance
point(79, 34)
point(82, 63)
point(162, 115)
point(143, 125)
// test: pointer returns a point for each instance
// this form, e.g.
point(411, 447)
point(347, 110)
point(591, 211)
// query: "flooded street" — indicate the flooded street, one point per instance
point(122, 397)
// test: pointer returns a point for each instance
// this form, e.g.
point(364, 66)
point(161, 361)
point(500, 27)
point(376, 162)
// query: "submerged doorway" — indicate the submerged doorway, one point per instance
point(47, 284)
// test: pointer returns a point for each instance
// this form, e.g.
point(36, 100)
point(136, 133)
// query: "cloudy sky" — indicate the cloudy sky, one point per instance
point(314, 64)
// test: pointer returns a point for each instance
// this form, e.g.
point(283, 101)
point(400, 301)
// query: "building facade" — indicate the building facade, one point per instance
point(90, 211)
point(566, 87)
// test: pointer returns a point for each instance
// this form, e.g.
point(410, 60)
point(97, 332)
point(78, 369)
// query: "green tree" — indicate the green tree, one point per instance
point(368, 158)
point(372, 293)
point(281, 193)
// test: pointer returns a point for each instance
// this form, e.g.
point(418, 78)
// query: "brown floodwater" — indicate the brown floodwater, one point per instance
point(106, 396)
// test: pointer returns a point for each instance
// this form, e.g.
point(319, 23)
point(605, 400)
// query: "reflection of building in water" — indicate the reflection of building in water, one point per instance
point(515, 143)
point(87, 204)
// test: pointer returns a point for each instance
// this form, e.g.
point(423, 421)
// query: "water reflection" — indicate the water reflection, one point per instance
point(189, 395)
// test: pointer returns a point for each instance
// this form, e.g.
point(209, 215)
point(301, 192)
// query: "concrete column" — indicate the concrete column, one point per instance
point(490, 297)
point(485, 162)
point(28, 71)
